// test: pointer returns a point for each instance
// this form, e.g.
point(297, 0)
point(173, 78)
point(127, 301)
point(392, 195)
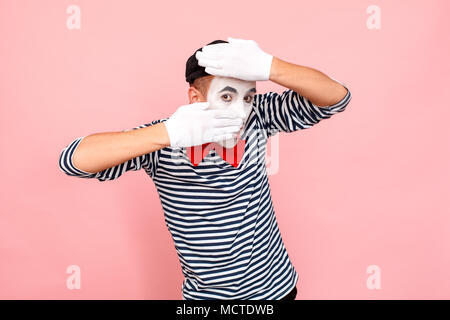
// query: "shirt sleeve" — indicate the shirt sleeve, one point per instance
point(290, 111)
point(148, 162)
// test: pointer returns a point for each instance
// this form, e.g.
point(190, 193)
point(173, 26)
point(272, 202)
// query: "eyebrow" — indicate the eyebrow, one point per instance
point(231, 89)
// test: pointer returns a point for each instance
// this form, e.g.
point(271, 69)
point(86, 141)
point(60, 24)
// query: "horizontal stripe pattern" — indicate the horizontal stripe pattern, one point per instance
point(221, 218)
point(289, 111)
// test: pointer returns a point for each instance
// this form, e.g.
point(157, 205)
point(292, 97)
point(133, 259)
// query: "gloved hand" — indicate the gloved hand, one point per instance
point(193, 125)
point(241, 59)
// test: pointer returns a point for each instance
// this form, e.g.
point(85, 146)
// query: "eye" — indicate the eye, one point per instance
point(226, 95)
point(248, 99)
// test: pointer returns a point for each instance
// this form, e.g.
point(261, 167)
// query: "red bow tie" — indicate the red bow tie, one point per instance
point(231, 155)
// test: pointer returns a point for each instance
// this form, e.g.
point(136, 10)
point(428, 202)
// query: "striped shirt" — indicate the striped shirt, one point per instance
point(221, 218)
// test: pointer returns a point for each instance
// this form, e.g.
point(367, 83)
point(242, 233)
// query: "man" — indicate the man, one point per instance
point(220, 214)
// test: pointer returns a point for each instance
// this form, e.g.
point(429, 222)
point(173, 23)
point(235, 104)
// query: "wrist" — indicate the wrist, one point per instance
point(274, 69)
point(268, 63)
point(162, 136)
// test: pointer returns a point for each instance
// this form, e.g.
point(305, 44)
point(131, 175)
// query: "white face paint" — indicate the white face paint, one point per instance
point(232, 94)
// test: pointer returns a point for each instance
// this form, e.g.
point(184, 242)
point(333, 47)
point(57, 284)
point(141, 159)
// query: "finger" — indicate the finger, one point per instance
point(231, 39)
point(214, 55)
point(225, 113)
point(216, 64)
point(216, 72)
point(215, 47)
point(223, 137)
point(228, 122)
point(227, 130)
point(244, 41)
point(200, 105)
point(237, 40)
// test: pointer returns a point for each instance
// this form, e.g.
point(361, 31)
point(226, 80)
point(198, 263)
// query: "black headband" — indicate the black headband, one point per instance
point(193, 70)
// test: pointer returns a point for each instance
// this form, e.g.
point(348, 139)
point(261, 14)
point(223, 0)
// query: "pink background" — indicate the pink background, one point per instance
point(368, 187)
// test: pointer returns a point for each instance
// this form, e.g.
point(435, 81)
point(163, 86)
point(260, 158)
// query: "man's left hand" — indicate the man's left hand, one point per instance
point(239, 58)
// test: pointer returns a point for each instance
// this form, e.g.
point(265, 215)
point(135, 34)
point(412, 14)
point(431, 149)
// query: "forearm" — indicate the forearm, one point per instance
point(100, 151)
point(312, 84)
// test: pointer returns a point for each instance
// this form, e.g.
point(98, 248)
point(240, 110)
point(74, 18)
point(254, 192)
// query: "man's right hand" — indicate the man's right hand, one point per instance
point(194, 124)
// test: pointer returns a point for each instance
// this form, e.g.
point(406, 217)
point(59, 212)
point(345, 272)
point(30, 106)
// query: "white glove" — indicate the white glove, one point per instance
point(193, 125)
point(241, 59)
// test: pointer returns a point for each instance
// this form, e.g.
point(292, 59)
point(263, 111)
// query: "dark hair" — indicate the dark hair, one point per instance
point(193, 70)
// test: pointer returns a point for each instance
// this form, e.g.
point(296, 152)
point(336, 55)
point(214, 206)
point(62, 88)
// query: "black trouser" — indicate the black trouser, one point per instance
point(291, 295)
